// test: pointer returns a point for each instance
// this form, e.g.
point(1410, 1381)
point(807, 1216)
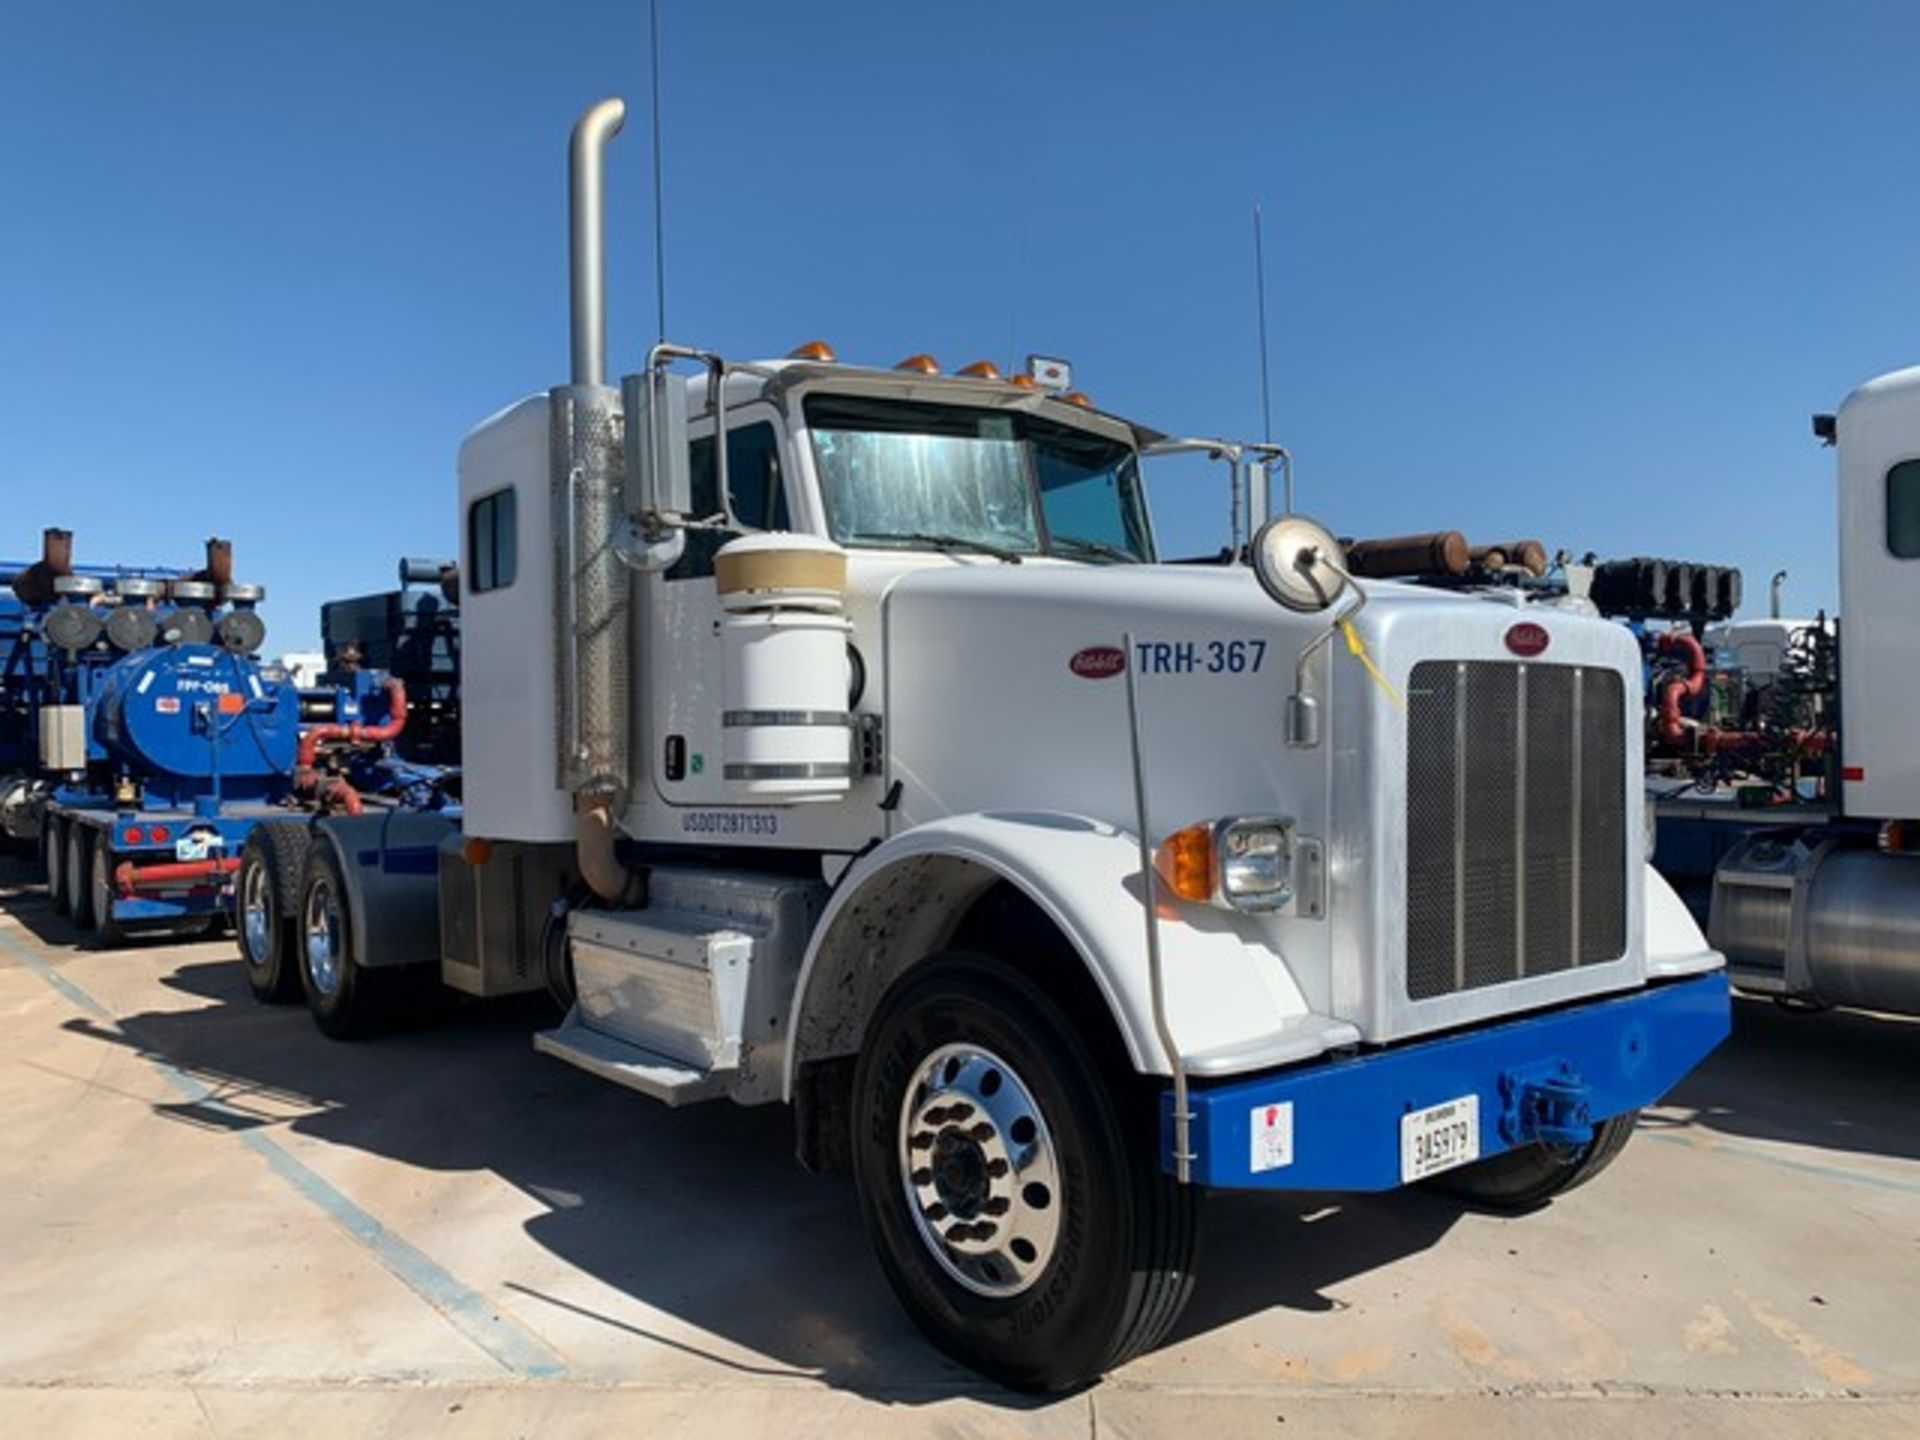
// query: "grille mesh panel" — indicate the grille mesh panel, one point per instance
point(1516, 822)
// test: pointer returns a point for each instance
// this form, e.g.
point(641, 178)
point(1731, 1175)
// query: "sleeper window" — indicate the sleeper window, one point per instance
point(492, 534)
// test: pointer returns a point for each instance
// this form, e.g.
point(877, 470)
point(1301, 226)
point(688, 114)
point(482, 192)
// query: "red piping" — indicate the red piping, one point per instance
point(129, 877)
point(1673, 729)
point(357, 734)
point(341, 793)
point(338, 790)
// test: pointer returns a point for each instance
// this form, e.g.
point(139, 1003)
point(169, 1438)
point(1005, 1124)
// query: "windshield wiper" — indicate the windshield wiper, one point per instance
point(1073, 544)
point(943, 543)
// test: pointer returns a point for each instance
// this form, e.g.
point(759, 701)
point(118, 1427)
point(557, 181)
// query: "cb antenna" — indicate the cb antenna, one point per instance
point(659, 207)
point(1260, 301)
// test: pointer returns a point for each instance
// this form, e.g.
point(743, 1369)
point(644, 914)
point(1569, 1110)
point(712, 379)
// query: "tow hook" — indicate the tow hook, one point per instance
point(1550, 1107)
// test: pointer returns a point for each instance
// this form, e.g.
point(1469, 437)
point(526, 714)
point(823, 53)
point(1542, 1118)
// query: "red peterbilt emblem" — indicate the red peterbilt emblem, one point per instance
point(1098, 662)
point(1527, 639)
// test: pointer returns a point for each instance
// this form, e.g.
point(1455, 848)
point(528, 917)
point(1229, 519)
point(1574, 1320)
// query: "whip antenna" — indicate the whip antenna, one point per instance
point(1260, 301)
point(659, 207)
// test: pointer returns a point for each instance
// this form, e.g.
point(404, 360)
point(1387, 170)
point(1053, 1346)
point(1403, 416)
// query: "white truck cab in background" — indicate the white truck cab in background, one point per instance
point(875, 761)
point(1814, 895)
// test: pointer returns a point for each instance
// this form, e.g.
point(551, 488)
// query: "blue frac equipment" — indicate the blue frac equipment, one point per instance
point(199, 726)
point(143, 739)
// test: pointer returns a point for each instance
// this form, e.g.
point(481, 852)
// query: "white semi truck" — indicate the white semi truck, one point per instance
point(873, 762)
point(1793, 823)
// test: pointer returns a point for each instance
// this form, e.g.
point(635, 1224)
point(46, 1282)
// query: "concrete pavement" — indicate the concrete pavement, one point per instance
point(218, 1223)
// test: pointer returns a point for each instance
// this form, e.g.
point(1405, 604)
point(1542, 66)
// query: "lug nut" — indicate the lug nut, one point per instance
point(923, 1176)
point(999, 1205)
point(982, 1132)
point(959, 1111)
point(923, 1141)
point(996, 1169)
point(936, 1212)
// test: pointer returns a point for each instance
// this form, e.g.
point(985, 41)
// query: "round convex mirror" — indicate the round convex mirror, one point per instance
point(1291, 558)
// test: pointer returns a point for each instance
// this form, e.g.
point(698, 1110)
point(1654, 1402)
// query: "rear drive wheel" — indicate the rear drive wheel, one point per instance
point(108, 932)
point(1531, 1175)
point(53, 853)
point(267, 907)
point(348, 1001)
point(79, 882)
point(1010, 1180)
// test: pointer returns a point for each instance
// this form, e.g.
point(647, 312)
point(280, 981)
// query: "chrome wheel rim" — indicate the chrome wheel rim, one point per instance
point(322, 928)
point(980, 1170)
point(256, 918)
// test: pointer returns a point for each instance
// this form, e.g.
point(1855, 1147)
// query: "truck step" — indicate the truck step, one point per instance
point(627, 1064)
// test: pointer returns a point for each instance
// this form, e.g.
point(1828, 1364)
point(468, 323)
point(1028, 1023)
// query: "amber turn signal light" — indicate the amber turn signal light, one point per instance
point(1184, 862)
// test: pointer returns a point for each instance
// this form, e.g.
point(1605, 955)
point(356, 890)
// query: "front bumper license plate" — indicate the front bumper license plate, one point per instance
point(1439, 1138)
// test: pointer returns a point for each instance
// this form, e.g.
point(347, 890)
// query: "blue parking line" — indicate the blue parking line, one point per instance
point(505, 1340)
point(1744, 1151)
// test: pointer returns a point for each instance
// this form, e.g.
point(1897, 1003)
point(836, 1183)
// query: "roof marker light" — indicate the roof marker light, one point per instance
point(814, 350)
point(920, 364)
point(1078, 397)
point(1025, 382)
point(982, 370)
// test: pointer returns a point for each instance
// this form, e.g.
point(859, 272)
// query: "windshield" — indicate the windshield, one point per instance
point(916, 476)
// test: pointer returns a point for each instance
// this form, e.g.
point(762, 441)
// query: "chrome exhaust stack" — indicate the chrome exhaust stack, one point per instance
point(587, 237)
point(592, 609)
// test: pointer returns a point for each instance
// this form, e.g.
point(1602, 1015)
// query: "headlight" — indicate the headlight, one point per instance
point(1242, 863)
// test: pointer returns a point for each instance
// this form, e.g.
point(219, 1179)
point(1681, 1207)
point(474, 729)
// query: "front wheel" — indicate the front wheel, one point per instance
point(1010, 1180)
point(1531, 1175)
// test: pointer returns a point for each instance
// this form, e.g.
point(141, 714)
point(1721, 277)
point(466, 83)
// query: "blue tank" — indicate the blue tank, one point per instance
point(198, 723)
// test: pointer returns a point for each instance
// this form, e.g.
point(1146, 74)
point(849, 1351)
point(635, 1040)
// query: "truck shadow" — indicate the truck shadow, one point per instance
point(743, 1260)
point(700, 1215)
point(1841, 1080)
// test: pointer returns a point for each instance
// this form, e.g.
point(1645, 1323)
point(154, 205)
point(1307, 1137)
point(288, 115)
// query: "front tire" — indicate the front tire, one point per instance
point(347, 1000)
point(267, 906)
point(1528, 1177)
point(1010, 1180)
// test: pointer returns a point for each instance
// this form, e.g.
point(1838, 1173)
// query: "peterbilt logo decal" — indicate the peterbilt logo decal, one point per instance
point(1527, 639)
point(1098, 662)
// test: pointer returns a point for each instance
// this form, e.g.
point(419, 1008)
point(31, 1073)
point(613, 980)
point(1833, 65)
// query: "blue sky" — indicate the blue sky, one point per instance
point(1574, 271)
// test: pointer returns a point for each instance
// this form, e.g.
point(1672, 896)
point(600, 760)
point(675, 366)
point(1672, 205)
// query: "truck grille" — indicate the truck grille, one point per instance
point(1516, 822)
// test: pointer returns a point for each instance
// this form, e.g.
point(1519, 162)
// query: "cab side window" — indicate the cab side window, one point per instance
point(759, 494)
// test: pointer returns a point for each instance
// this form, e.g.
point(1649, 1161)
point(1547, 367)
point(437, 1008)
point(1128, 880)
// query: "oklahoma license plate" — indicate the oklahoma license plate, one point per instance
point(1439, 1138)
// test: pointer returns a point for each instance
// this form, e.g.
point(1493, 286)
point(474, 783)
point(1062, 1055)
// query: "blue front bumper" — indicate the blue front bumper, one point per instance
point(1542, 1076)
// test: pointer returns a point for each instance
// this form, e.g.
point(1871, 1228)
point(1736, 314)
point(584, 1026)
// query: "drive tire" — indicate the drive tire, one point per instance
point(1530, 1176)
point(108, 933)
point(347, 1000)
point(1117, 1267)
point(78, 851)
point(53, 854)
point(266, 905)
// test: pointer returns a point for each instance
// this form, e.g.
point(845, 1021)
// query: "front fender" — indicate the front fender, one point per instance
point(1674, 943)
point(1232, 1003)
